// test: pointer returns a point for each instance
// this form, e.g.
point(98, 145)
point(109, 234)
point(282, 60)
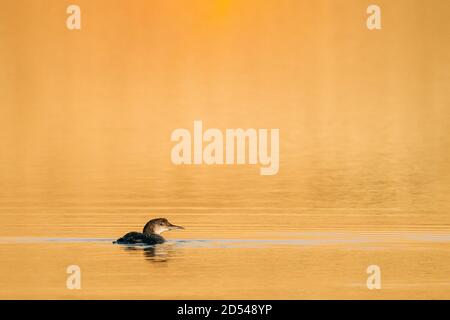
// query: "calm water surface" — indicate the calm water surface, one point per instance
point(309, 232)
point(85, 125)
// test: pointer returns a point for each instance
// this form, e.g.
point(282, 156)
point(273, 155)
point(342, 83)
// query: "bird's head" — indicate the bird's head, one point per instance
point(159, 225)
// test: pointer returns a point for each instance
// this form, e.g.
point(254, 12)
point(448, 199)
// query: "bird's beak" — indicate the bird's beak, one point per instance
point(173, 227)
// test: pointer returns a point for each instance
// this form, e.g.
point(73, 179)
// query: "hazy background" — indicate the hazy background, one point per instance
point(85, 124)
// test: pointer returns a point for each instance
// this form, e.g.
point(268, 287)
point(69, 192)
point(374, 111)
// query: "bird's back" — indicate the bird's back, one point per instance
point(140, 238)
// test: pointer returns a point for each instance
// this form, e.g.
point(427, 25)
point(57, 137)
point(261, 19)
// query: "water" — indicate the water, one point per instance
point(271, 265)
point(301, 265)
point(364, 176)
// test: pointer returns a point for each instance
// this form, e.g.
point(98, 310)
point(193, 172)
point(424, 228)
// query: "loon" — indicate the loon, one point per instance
point(151, 233)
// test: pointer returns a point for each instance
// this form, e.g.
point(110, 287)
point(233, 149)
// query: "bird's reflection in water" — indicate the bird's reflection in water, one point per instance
point(155, 253)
